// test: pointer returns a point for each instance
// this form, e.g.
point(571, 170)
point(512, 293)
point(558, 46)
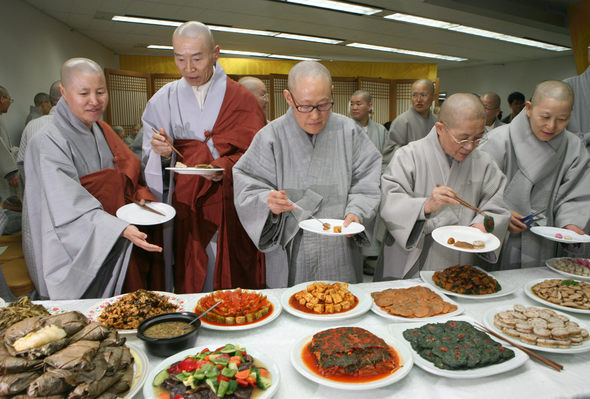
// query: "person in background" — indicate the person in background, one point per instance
point(137, 140)
point(42, 107)
point(9, 178)
point(580, 116)
point(258, 88)
point(309, 161)
point(491, 104)
point(516, 103)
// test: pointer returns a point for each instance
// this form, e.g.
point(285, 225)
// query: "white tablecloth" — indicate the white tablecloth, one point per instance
point(532, 380)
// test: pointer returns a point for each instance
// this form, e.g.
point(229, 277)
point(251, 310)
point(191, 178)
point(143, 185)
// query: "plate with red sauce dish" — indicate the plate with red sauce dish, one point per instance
point(304, 362)
point(363, 304)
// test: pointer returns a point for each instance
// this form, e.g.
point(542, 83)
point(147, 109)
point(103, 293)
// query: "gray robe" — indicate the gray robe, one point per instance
point(552, 175)
point(330, 175)
point(413, 173)
point(73, 240)
point(580, 117)
point(7, 162)
point(32, 128)
point(409, 126)
point(497, 123)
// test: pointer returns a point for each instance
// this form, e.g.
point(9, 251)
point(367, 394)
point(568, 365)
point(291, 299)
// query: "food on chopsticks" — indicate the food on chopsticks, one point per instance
point(197, 166)
point(128, 312)
point(477, 244)
point(228, 371)
point(579, 266)
point(466, 280)
point(568, 293)
point(351, 352)
point(324, 298)
point(237, 307)
point(413, 302)
point(19, 310)
point(64, 356)
point(456, 345)
point(539, 326)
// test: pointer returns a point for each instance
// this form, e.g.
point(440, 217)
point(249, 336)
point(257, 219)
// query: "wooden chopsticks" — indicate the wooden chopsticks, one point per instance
point(543, 359)
point(171, 146)
point(144, 206)
point(468, 205)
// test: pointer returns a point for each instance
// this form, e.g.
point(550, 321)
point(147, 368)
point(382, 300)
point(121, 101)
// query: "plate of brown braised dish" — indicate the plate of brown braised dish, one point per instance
point(565, 295)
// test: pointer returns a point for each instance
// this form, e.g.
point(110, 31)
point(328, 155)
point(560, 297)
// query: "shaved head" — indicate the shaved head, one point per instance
point(554, 89)
point(460, 107)
point(3, 91)
point(78, 65)
point(493, 98)
point(251, 83)
point(40, 98)
point(308, 69)
point(364, 94)
point(54, 93)
point(426, 82)
point(194, 30)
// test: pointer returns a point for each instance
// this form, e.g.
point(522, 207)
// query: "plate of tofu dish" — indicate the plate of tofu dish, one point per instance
point(326, 300)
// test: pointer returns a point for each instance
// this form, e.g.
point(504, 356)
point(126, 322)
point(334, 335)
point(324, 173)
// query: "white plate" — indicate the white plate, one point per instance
point(529, 292)
point(549, 264)
point(549, 233)
point(141, 367)
point(137, 215)
point(96, 310)
point(467, 234)
point(195, 171)
point(489, 323)
point(316, 227)
point(403, 352)
point(506, 288)
point(376, 309)
point(267, 362)
point(276, 311)
point(518, 360)
point(362, 307)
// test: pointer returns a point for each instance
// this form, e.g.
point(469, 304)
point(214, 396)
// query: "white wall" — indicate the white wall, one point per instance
point(503, 79)
point(32, 50)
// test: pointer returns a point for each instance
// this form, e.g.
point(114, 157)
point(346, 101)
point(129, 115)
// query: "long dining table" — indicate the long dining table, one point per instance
point(275, 340)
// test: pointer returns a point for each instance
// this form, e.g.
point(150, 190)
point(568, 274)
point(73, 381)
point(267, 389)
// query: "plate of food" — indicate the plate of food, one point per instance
point(141, 366)
point(351, 358)
point(326, 300)
point(565, 295)
point(198, 169)
point(336, 227)
point(467, 282)
point(456, 349)
point(465, 239)
point(541, 329)
point(140, 216)
point(226, 370)
point(23, 308)
point(575, 268)
point(126, 312)
point(560, 235)
point(239, 309)
point(414, 303)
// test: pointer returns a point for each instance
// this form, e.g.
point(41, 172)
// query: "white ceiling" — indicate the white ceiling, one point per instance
point(534, 19)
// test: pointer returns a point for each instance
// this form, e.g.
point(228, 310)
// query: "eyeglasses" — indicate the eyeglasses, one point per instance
point(306, 109)
point(465, 143)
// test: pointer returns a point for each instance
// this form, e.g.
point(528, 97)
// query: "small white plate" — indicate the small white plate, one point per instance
point(96, 310)
point(195, 171)
point(377, 310)
point(141, 366)
point(489, 323)
point(137, 215)
point(506, 288)
point(518, 360)
point(401, 348)
point(528, 290)
point(316, 227)
point(362, 306)
point(276, 311)
point(550, 232)
point(467, 234)
point(549, 264)
point(267, 362)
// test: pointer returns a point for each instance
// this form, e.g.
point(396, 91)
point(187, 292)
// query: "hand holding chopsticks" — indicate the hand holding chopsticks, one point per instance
point(156, 143)
point(144, 206)
point(488, 221)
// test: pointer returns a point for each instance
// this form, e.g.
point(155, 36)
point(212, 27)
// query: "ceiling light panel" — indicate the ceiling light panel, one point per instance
point(338, 6)
point(408, 52)
point(308, 38)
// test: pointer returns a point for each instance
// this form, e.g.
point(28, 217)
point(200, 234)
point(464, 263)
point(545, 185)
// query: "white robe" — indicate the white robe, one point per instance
point(329, 175)
point(580, 117)
point(553, 175)
point(413, 173)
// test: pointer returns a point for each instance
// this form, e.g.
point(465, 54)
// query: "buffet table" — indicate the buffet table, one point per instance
point(532, 380)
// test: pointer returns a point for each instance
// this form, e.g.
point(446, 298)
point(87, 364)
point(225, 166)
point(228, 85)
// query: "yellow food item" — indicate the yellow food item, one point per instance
point(337, 229)
point(326, 298)
point(39, 338)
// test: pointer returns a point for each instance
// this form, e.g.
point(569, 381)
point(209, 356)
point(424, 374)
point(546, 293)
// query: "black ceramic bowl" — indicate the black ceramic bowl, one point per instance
point(164, 347)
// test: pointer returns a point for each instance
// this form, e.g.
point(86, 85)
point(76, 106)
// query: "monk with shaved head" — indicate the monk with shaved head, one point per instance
point(491, 104)
point(258, 88)
point(548, 172)
point(79, 173)
point(420, 189)
point(210, 119)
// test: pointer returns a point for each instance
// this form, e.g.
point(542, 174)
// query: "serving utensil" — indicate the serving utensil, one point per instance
point(171, 146)
point(201, 315)
point(325, 225)
point(531, 353)
point(144, 206)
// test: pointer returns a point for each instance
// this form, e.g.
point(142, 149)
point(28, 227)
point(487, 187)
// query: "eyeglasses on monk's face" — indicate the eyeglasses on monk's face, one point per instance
point(466, 142)
point(323, 107)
